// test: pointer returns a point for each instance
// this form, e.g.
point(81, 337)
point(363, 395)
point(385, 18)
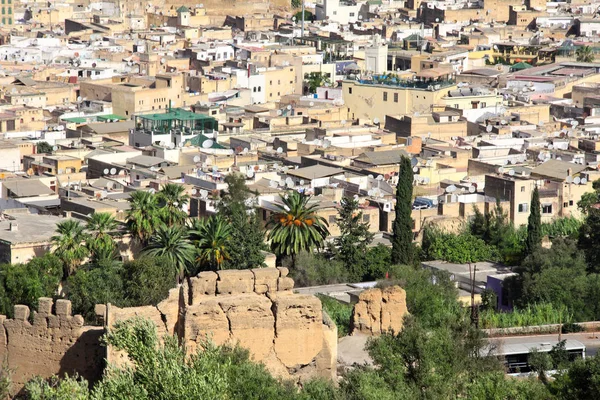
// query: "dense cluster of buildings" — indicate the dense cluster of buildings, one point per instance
point(488, 98)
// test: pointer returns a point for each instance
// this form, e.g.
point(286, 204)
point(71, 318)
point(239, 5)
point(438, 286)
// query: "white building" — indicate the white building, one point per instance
point(341, 11)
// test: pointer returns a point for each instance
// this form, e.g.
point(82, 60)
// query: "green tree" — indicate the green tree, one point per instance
point(247, 241)
point(585, 54)
point(402, 236)
point(69, 244)
point(580, 381)
point(90, 286)
point(172, 243)
point(589, 239)
point(316, 80)
point(459, 249)
point(26, 283)
point(479, 224)
point(350, 247)
point(310, 269)
point(211, 237)
point(534, 223)
point(143, 216)
point(147, 281)
point(378, 260)
point(172, 198)
point(44, 148)
point(495, 386)
point(102, 229)
point(296, 227)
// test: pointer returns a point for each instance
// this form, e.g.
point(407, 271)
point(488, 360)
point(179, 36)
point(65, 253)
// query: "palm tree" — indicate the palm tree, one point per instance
point(296, 227)
point(584, 54)
point(69, 244)
point(143, 216)
point(174, 245)
point(102, 228)
point(211, 236)
point(173, 197)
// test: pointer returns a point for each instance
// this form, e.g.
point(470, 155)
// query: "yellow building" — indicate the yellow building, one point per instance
point(370, 99)
point(279, 82)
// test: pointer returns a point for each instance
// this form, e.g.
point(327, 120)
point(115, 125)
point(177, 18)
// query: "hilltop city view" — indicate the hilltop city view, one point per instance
point(303, 200)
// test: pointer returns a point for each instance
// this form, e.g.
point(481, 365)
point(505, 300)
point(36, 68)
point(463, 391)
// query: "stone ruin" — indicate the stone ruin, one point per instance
point(379, 311)
point(256, 308)
point(55, 343)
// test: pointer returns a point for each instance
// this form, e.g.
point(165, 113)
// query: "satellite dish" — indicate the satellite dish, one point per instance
point(113, 171)
point(415, 169)
point(472, 189)
point(180, 144)
point(203, 193)
point(511, 172)
point(152, 190)
point(371, 192)
point(196, 159)
point(450, 189)
point(312, 103)
point(356, 197)
point(489, 128)
point(279, 112)
point(289, 107)
point(279, 150)
point(574, 123)
point(106, 171)
point(215, 168)
point(194, 191)
point(541, 157)
point(207, 144)
point(583, 181)
point(379, 177)
point(569, 179)
point(79, 98)
point(501, 170)
point(577, 180)
point(250, 173)
point(171, 145)
point(301, 181)
point(245, 151)
point(273, 183)
point(343, 122)
point(503, 122)
point(371, 177)
point(103, 194)
point(376, 121)
point(54, 148)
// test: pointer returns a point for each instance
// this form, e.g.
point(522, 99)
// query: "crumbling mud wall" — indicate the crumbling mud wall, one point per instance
point(253, 308)
point(56, 342)
point(379, 311)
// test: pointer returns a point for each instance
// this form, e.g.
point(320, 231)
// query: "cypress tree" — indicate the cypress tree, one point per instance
point(534, 223)
point(402, 238)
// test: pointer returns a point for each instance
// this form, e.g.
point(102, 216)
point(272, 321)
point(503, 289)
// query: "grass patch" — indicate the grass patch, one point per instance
point(339, 312)
point(535, 315)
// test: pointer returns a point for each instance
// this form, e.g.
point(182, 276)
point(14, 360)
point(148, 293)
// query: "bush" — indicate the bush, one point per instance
point(314, 269)
point(572, 327)
point(339, 312)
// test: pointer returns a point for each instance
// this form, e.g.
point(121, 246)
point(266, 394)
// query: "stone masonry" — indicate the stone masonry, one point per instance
point(55, 343)
point(254, 308)
point(380, 311)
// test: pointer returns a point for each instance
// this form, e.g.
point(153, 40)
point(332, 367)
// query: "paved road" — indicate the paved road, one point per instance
point(589, 339)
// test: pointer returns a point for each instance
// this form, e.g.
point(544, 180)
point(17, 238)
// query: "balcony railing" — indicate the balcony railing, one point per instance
point(393, 82)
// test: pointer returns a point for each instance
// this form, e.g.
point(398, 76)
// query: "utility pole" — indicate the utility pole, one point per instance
point(302, 27)
point(474, 316)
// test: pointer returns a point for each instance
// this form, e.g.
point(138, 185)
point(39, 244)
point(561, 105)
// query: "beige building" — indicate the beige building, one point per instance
point(371, 101)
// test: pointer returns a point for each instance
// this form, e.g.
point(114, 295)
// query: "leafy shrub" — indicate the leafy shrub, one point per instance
point(314, 269)
point(565, 227)
point(572, 327)
point(339, 312)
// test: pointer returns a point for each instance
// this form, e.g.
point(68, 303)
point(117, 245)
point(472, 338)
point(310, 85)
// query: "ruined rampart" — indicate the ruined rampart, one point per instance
point(380, 311)
point(255, 308)
point(56, 342)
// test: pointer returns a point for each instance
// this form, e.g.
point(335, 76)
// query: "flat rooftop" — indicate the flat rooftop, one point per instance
point(31, 228)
